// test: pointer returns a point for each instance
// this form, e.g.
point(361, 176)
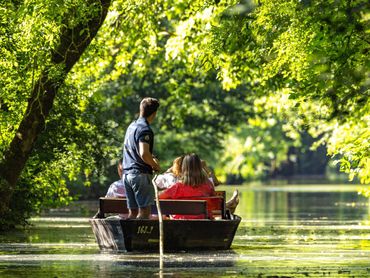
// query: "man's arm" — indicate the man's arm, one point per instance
point(148, 157)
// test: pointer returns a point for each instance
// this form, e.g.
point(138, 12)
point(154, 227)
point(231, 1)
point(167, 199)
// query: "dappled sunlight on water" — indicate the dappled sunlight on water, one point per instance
point(290, 231)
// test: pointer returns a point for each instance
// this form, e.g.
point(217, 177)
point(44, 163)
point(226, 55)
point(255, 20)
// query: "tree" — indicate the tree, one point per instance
point(78, 26)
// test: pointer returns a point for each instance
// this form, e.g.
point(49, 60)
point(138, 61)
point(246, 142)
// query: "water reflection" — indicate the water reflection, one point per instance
point(317, 202)
point(286, 231)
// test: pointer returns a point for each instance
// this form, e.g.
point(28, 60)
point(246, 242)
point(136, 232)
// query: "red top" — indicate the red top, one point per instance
point(183, 191)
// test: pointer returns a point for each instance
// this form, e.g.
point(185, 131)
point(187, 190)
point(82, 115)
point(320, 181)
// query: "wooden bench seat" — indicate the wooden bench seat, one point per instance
point(215, 205)
point(188, 207)
point(210, 207)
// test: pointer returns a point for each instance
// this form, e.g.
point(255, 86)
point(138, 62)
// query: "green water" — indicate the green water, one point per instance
point(287, 231)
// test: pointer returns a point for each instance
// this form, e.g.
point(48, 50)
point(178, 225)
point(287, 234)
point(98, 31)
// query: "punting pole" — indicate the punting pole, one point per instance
point(160, 218)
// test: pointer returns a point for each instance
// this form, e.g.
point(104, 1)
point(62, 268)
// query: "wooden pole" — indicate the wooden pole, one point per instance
point(161, 236)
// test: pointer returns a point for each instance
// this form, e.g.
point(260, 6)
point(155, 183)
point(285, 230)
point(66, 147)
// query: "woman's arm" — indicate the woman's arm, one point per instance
point(169, 193)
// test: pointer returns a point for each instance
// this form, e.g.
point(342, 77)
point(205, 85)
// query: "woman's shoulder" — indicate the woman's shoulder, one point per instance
point(209, 187)
point(179, 184)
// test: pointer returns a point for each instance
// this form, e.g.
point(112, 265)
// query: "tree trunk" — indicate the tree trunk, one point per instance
point(73, 42)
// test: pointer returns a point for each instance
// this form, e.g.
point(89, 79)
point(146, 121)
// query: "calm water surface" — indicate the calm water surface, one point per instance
point(287, 231)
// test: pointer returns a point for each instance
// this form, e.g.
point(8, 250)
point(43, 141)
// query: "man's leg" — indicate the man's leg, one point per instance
point(144, 196)
point(130, 195)
point(144, 213)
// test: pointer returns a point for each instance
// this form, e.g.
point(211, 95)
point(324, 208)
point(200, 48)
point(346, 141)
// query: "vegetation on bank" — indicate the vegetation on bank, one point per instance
point(243, 83)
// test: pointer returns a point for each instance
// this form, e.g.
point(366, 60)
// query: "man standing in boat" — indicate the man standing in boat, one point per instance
point(139, 162)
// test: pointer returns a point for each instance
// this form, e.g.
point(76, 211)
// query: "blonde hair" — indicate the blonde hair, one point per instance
point(192, 172)
point(176, 166)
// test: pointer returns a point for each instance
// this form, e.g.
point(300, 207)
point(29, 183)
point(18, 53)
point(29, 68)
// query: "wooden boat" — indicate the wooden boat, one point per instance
point(117, 234)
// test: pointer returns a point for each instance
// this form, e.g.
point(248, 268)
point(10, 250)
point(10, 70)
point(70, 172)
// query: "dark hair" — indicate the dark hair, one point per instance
point(148, 106)
point(192, 171)
point(120, 167)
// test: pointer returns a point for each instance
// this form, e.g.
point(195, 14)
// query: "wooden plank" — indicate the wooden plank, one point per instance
point(216, 205)
point(113, 205)
point(187, 207)
point(222, 193)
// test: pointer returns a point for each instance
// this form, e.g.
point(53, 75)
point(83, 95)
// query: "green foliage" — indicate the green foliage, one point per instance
point(350, 140)
point(30, 33)
point(316, 50)
point(100, 97)
point(195, 112)
point(246, 75)
point(257, 147)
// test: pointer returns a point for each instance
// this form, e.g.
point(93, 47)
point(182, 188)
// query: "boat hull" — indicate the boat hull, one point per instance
point(143, 235)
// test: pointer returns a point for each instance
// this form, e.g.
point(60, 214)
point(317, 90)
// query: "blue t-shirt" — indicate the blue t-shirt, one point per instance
point(138, 131)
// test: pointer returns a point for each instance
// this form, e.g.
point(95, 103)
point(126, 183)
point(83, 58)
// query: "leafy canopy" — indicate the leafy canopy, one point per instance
point(278, 66)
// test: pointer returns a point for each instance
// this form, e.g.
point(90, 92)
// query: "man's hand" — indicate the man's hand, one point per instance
point(156, 168)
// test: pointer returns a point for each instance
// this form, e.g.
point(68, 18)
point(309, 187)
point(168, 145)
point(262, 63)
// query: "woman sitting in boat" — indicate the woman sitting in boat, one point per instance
point(193, 183)
point(174, 173)
point(171, 176)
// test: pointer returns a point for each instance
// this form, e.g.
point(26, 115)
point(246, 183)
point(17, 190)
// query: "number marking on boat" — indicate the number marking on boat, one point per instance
point(144, 229)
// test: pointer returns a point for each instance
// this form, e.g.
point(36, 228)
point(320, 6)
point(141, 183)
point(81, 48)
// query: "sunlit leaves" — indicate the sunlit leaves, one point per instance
point(257, 147)
point(319, 51)
point(351, 142)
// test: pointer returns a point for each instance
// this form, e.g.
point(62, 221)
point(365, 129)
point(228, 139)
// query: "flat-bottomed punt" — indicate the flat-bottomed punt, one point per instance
point(118, 234)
